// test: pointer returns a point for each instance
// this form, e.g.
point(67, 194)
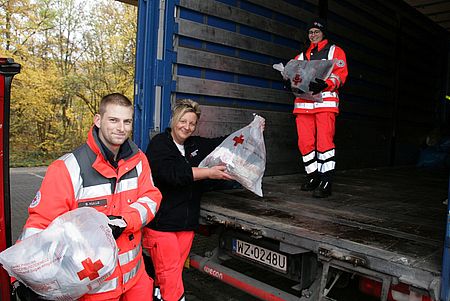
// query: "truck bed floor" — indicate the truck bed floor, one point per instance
point(394, 216)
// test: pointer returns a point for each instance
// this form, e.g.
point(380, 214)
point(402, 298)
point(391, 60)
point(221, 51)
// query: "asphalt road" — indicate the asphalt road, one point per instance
point(25, 182)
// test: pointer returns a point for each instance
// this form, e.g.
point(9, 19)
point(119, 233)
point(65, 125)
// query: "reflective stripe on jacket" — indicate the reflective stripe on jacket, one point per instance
point(85, 178)
point(336, 80)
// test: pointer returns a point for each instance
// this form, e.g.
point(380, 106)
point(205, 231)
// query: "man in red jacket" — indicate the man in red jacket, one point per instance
point(316, 120)
point(110, 174)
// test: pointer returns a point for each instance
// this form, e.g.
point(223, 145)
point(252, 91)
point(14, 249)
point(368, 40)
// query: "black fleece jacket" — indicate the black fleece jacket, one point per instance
point(172, 174)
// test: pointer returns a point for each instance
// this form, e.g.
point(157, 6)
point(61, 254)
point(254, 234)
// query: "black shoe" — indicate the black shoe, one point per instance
point(310, 184)
point(323, 191)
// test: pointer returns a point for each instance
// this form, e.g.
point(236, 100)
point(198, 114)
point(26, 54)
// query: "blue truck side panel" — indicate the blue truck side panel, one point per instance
point(145, 54)
point(153, 72)
point(154, 56)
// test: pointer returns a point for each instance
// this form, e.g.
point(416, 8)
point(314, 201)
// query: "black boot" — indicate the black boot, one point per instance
point(311, 183)
point(323, 191)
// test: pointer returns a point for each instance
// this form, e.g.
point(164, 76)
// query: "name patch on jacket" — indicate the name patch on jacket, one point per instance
point(92, 203)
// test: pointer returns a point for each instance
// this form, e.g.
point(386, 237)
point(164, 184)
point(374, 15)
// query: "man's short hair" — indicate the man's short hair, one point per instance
point(114, 98)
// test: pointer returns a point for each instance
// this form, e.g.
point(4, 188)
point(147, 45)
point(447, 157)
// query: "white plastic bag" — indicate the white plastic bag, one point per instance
point(244, 155)
point(72, 256)
point(301, 73)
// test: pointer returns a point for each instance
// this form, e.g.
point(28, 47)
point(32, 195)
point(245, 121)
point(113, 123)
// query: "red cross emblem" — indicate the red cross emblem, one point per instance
point(297, 79)
point(90, 269)
point(238, 140)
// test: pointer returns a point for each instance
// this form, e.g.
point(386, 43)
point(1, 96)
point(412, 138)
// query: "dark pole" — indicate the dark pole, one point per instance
point(7, 71)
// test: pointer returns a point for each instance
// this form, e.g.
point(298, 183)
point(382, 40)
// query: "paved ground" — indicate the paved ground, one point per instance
point(25, 182)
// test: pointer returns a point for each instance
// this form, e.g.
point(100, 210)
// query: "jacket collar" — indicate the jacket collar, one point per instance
point(319, 46)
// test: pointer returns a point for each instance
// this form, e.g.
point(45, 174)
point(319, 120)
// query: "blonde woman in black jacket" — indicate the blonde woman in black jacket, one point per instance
point(174, 156)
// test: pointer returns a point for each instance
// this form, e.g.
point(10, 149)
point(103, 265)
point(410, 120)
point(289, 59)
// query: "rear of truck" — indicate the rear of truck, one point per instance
point(220, 54)
point(382, 226)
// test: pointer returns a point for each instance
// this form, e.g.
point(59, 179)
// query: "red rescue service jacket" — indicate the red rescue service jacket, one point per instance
point(85, 178)
point(325, 51)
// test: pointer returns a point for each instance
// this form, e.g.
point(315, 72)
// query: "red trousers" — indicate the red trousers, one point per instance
point(141, 291)
point(316, 141)
point(169, 251)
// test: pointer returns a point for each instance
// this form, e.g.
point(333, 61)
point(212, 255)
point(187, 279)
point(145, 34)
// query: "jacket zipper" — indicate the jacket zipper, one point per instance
point(186, 221)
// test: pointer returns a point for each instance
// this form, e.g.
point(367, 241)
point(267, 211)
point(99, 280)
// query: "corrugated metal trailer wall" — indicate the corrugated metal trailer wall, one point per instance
point(224, 51)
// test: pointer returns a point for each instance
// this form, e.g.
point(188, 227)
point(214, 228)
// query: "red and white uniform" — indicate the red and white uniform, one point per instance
point(169, 251)
point(316, 120)
point(85, 178)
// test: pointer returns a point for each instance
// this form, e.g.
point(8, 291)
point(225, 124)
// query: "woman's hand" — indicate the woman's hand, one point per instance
point(215, 172)
point(219, 173)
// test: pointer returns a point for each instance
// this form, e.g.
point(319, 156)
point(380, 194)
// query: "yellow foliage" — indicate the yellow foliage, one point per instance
point(66, 68)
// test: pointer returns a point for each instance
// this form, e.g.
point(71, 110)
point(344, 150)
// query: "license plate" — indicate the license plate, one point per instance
point(259, 254)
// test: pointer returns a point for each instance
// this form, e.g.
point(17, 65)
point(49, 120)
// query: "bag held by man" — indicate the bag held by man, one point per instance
point(69, 258)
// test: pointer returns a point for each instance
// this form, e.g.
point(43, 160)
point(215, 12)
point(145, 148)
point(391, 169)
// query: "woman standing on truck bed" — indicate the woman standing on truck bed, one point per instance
point(174, 156)
point(316, 120)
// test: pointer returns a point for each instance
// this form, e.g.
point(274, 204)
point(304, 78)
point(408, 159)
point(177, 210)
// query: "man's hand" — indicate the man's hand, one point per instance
point(317, 86)
point(117, 225)
point(24, 292)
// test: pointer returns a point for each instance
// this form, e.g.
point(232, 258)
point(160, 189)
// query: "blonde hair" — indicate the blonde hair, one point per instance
point(183, 106)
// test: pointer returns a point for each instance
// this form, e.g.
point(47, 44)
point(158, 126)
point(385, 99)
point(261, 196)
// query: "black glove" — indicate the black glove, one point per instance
point(117, 225)
point(317, 86)
point(297, 91)
point(287, 84)
point(24, 292)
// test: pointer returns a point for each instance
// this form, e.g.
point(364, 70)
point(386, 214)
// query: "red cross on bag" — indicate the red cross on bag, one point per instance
point(90, 269)
point(296, 80)
point(238, 140)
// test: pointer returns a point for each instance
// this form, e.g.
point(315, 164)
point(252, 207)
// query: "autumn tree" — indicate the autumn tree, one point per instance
point(110, 47)
point(72, 53)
